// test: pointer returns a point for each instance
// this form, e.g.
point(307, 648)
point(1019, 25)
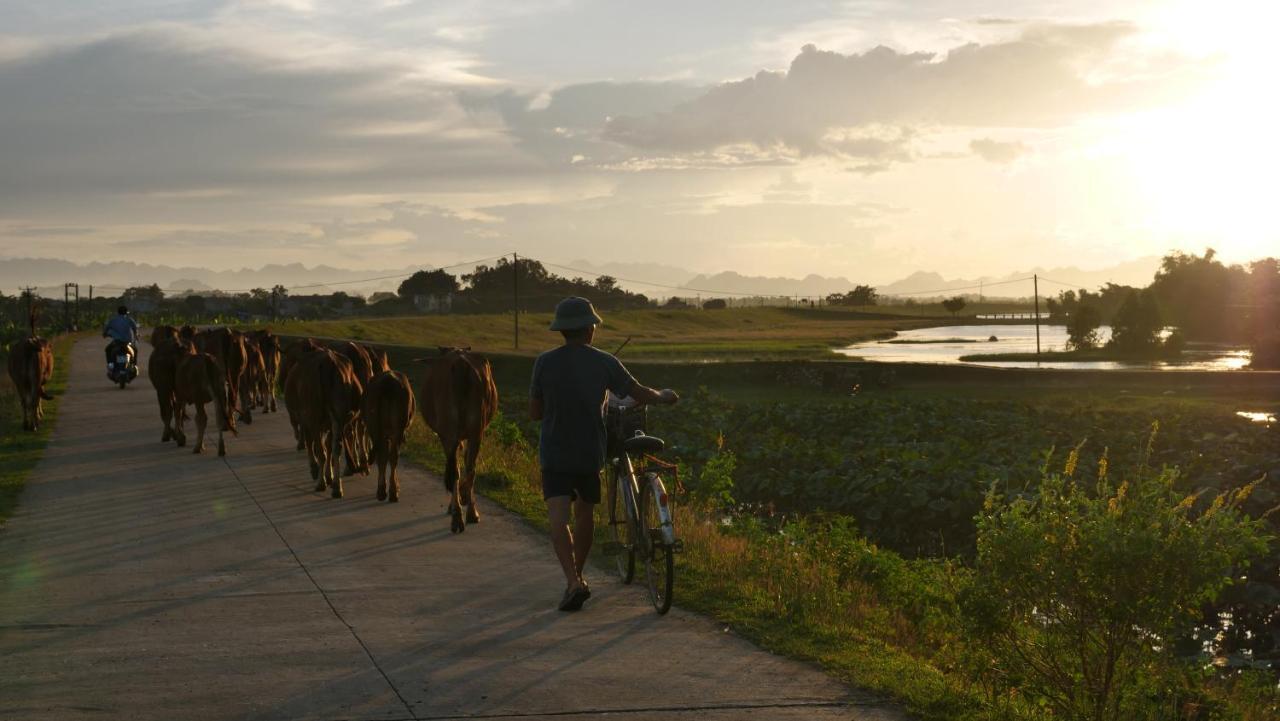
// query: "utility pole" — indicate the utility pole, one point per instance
point(515, 295)
point(1035, 279)
point(90, 301)
point(29, 293)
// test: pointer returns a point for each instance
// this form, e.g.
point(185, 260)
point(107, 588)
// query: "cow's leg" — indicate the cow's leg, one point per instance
point(335, 447)
point(272, 379)
point(245, 402)
point(202, 420)
point(28, 418)
point(166, 415)
point(179, 420)
point(458, 525)
point(315, 455)
point(392, 455)
point(380, 457)
point(469, 480)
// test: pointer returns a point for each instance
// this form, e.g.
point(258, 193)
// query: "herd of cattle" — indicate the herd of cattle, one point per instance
point(345, 404)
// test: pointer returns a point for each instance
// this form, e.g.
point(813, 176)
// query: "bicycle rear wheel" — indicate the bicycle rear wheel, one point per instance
point(620, 529)
point(659, 561)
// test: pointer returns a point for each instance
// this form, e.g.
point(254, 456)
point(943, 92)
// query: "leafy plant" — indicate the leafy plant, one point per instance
point(1077, 594)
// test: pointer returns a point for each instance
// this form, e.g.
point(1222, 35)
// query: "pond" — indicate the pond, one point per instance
point(945, 344)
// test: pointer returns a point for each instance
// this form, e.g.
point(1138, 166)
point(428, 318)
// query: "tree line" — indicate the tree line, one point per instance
point(1192, 299)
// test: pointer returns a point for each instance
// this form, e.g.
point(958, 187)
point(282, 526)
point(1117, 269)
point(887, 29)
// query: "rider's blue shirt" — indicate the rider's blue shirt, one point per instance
point(122, 327)
point(571, 382)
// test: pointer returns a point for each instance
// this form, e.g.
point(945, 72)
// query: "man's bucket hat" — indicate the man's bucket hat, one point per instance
point(573, 313)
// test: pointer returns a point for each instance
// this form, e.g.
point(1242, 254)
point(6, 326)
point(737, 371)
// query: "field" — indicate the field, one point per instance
point(734, 333)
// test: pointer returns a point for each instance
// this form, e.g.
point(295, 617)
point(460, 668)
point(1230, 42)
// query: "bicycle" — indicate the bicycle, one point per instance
point(640, 520)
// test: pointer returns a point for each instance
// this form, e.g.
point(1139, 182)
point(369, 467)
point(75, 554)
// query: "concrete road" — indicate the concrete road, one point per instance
point(139, 581)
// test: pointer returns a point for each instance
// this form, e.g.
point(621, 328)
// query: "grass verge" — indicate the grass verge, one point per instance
point(19, 449)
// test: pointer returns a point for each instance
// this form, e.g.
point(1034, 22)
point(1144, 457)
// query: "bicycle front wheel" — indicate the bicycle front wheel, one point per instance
point(659, 561)
point(620, 529)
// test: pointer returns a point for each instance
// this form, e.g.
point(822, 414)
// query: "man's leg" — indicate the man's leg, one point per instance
point(562, 538)
point(584, 532)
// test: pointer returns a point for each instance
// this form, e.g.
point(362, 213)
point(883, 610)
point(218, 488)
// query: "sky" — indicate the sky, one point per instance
point(860, 139)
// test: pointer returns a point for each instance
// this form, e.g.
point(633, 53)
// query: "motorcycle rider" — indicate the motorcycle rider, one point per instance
point(121, 328)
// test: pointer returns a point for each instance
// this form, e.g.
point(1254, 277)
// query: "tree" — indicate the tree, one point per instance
point(428, 282)
point(1082, 328)
point(146, 293)
point(954, 305)
point(606, 284)
point(1202, 296)
point(715, 304)
point(1137, 323)
point(862, 295)
point(381, 296)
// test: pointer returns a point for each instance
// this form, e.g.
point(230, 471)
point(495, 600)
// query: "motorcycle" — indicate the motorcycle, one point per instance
point(123, 366)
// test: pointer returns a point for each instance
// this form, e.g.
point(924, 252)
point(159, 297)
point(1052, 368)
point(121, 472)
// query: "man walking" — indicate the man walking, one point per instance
point(568, 393)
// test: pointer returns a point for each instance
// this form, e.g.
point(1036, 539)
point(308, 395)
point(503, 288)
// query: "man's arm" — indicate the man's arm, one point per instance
point(647, 395)
point(535, 391)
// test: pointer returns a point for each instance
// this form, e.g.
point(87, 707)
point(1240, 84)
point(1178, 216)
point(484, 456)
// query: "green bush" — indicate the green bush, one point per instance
point(1078, 595)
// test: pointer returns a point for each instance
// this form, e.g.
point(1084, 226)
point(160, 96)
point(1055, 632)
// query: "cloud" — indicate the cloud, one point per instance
point(995, 151)
point(1047, 77)
point(174, 110)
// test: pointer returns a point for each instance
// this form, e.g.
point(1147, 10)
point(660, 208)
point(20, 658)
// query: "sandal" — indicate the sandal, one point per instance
point(574, 598)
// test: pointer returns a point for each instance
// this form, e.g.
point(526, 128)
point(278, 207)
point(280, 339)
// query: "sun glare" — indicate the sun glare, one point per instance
point(1201, 171)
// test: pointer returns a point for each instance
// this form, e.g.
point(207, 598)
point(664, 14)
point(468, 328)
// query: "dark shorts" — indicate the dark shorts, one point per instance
point(585, 486)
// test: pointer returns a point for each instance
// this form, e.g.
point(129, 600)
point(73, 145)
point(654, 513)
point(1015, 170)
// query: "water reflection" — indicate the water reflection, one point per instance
point(945, 344)
point(1258, 416)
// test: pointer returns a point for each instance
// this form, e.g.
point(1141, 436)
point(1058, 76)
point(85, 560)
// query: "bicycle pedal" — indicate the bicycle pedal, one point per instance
point(612, 548)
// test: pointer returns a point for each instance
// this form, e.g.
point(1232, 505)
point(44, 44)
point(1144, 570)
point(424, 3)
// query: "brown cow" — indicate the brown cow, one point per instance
point(228, 347)
point(387, 411)
point(161, 333)
point(378, 357)
point(255, 370)
point(362, 365)
point(200, 379)
point(459, 400)
point(31, 368)
point(294, 355)
point(269, 346)
point(162, 369)
point(326, 395)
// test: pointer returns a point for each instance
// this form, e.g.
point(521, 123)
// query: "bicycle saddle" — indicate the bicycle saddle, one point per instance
point(643, 444)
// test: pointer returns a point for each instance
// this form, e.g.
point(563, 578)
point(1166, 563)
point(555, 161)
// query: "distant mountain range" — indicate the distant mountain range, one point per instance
point(1135, 272)
point(48, 275)
point(653, 279)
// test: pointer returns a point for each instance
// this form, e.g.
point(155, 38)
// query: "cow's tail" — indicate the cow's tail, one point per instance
point(216, 382)
point(38, 375)
point(31, 320)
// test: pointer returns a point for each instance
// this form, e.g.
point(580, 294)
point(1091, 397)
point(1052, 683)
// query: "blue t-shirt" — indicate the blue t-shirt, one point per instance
point(571, 381)
point(122, 327)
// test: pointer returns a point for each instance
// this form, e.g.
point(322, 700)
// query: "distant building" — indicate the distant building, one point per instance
point(433, 303)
